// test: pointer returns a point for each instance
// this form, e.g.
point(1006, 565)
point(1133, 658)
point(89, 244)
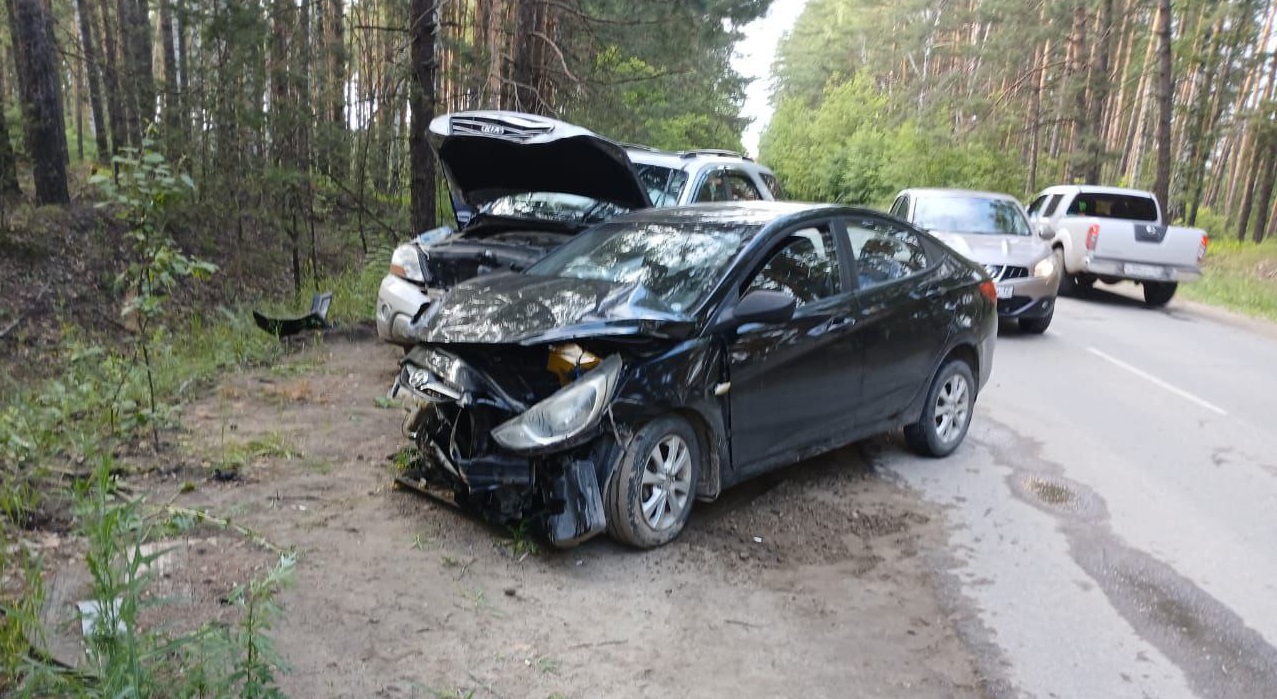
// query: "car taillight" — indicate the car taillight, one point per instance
point(989, 291)
point(1092, 236)
point(1201, 249)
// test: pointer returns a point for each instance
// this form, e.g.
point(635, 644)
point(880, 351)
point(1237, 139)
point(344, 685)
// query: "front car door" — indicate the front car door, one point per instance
point(794, 384)
point(900, 292)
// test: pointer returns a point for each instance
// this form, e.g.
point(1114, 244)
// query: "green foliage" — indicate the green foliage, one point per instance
point(1239, 276)
point(850, 149)
point(124, 659)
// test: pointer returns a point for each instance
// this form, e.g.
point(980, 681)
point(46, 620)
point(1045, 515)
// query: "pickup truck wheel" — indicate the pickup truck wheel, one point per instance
point(1157, 294)
point(1036, 326)
point(1068, 283)
point(653, 484)
point(947, 413)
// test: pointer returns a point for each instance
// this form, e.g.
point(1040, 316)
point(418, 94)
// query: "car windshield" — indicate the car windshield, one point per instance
point(553, 206)
point(676, 264)
point(663, 184)
point(970, 215)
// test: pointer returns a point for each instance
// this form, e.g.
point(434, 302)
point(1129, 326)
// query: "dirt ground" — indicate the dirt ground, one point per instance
point(813, 582)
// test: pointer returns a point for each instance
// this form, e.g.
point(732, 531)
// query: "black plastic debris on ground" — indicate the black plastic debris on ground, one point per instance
point(315, 320)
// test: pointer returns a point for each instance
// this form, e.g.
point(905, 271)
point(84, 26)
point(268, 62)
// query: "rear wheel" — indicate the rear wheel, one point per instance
point(947, 412)
point(1159, 293)
point(653, 484)
point(1036, 326)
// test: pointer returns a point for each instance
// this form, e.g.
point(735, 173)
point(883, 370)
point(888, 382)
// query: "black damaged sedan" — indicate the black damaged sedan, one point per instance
point(665, 355)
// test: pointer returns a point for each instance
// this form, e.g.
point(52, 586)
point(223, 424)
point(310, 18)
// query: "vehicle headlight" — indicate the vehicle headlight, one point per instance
point(406, 263)
point(563, 416)
point(1045, 267)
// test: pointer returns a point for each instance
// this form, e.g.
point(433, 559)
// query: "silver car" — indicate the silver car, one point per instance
point(993, 230)
point(521, 186)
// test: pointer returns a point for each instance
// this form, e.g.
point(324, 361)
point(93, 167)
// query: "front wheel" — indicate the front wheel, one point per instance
point(1068, 283)
point(947, 412)
point(1158, 294)
point(653, 484)
point(1036, 326)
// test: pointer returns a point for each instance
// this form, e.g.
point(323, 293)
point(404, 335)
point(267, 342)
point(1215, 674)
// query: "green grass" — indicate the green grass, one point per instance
point(1240, 277)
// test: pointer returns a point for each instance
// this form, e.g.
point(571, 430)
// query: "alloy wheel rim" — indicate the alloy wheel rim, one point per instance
point(953, 406)
point(667, 483)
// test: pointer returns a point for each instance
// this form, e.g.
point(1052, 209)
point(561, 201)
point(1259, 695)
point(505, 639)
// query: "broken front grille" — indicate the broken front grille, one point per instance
point(510, 128)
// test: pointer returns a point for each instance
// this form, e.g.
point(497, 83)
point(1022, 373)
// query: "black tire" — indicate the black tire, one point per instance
point(627, 493)
point(1036, 326)
point(1158, 294)
point(925, 436)
point(1068, 283)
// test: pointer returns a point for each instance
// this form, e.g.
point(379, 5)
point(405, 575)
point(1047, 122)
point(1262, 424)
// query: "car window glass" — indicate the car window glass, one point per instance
point(805, 266)
point(664, 184)
point(884, 251)
point(1053, 204)
point(1123, 206)
point(1036, 206)
point(727, 185)
point(773, 184)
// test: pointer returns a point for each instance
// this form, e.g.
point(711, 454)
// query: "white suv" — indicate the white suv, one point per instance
point(687, 177)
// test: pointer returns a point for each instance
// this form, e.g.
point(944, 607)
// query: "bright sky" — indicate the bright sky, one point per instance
point(753, 59)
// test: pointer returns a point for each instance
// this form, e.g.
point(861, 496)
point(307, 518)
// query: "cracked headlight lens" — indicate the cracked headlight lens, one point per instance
point(572, 410)
point(1045, 267)
point(406, 263)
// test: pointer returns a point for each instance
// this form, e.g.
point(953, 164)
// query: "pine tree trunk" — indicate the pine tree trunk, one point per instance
point(41, 90)
point(1162, 32)
point(422, 100)
point(89, 48)
point(172, 95)
point(1265, 199)
point(337, 88)
point(123, 126)
point(1099, 93)
point(8, 160)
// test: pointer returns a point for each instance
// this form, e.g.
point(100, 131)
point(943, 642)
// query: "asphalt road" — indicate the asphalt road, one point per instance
point(1113, 513)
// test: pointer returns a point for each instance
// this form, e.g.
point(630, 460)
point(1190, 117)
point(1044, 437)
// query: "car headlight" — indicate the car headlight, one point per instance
point(1045, 267)
point(563, 416)
point(406, 263)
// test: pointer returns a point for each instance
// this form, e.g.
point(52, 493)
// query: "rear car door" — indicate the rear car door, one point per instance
point(900, 311)
point(794, 384)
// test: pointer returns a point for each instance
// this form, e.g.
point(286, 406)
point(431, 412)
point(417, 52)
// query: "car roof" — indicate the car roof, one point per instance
point(644, 155)
point(1097, 189)
point(757, 213)
point(956, 193)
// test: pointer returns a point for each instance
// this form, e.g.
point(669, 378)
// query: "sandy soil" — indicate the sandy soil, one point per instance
point(813, 582)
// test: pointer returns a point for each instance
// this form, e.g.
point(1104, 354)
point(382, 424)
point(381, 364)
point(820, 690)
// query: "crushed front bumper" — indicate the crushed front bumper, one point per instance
point(560, 493)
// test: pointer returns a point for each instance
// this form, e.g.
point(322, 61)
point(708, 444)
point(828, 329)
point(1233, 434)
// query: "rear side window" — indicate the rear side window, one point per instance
point(1036, 206)
point(1124, 206)
point(772, 184)
point(884, 251)
point(727, 185)
point(1052, 204)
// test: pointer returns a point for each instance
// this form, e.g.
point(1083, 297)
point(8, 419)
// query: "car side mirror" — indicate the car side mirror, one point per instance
point(762, 306)
point(1043, 233)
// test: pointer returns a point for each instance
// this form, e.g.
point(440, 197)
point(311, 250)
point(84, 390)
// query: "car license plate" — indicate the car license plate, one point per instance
point(1005, 291)
point(1144, 271)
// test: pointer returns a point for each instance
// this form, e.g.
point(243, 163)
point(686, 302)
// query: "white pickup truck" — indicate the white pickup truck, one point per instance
point(1112, 234)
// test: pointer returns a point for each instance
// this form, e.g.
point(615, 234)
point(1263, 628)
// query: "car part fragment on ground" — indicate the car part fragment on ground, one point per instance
point(315, 320)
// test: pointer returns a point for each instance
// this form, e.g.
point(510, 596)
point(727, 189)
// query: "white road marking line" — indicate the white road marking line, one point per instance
point(1153, 379)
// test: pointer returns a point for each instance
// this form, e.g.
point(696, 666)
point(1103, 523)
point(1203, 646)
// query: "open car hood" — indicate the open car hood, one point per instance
point(490, 154)
point(528, 310)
